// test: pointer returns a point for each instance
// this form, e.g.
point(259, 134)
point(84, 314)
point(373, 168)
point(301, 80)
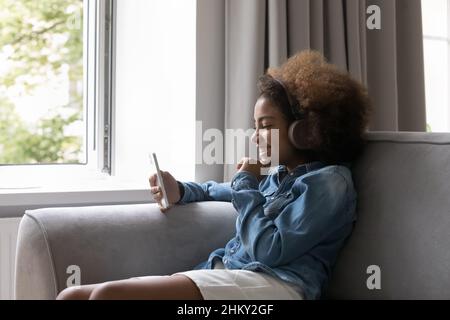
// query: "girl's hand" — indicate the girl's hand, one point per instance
point(255, 169)
point(171, 185)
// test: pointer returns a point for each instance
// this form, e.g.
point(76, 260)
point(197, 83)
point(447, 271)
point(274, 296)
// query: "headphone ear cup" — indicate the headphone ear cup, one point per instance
point(299, 134)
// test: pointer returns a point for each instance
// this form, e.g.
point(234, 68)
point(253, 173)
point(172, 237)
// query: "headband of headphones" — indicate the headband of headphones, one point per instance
point(294, 105)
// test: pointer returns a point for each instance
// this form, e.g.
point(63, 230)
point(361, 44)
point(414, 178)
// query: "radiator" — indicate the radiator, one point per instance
point(8, 239)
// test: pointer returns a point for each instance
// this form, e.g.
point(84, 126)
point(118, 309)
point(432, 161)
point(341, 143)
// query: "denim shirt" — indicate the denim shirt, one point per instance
point(289, 225)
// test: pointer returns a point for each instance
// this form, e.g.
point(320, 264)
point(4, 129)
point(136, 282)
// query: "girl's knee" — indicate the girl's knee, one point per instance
point(106, 291)
point(73, 293)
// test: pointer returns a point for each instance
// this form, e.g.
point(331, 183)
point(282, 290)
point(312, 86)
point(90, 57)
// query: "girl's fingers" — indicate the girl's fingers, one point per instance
point(157, 197)
point(152, 180)
point(242, 162)
point(156, 192)
point(155, 189)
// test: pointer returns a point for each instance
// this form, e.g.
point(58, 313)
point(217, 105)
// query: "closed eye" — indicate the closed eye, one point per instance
point(264, 127)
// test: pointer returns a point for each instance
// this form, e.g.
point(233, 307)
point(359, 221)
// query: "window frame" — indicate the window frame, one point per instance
point(106, 84)
point(98, 100)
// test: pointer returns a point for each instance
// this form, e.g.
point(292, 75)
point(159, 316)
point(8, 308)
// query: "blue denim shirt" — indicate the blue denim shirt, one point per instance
point(289, 225)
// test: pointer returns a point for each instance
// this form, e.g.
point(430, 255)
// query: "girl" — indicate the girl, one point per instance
point(292, 223)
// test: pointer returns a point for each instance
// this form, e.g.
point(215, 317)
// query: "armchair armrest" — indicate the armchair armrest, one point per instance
point(115, 242)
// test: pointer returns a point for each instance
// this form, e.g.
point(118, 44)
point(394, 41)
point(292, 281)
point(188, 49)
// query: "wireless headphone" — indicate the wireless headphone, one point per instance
point(299, 132)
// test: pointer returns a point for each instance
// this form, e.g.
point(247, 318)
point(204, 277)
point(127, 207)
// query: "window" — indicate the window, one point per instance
point(107, 87)
point(55, 88)
point(42, 115)
point(436, 39)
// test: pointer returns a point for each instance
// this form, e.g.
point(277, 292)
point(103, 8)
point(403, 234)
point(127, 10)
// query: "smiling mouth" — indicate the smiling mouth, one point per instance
point(264, 156)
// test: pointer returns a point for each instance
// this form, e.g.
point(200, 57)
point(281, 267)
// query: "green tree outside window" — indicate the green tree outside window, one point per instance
point(40, 41)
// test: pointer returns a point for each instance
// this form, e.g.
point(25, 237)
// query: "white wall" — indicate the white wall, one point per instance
point(155, 87)
point(8, 240)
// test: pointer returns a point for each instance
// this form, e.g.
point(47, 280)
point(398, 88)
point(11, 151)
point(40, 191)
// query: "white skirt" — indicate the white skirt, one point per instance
point(226, 284)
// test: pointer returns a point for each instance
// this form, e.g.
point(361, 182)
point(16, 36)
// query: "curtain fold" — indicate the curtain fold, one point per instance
point(245, 35)
point(262, 34)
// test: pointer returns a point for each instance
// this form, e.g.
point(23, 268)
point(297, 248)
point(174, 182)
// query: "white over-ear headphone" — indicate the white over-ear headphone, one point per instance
point(299, 131)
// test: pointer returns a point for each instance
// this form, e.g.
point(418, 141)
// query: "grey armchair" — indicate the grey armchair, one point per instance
point(115, 242)
point(403, 184)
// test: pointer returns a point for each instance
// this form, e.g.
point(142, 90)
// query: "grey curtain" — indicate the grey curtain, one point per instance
point(389, 61)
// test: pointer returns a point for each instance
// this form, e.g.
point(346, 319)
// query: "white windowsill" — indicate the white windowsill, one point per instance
point(14, 200)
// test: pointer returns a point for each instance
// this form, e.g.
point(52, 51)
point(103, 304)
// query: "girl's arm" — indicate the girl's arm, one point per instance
point(208, 191)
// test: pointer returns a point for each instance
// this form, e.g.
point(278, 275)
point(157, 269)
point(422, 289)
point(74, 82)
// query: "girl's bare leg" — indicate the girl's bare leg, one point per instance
point(174, 287)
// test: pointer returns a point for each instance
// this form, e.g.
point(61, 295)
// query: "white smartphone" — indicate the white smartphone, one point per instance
point(154, 162)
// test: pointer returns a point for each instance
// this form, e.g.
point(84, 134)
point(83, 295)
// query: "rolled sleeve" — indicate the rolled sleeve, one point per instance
point(208, 191)
point(244, 180)
point(185, 197)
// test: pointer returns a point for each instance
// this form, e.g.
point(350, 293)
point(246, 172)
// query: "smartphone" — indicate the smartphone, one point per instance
point(154, 162)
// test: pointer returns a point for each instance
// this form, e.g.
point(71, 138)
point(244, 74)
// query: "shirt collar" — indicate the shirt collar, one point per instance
point(299, 170)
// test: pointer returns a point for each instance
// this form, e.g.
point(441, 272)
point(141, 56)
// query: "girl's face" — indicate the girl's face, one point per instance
point(267, 117)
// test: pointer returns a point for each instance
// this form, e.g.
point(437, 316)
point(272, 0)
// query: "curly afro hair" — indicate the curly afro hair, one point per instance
point(338, 107)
